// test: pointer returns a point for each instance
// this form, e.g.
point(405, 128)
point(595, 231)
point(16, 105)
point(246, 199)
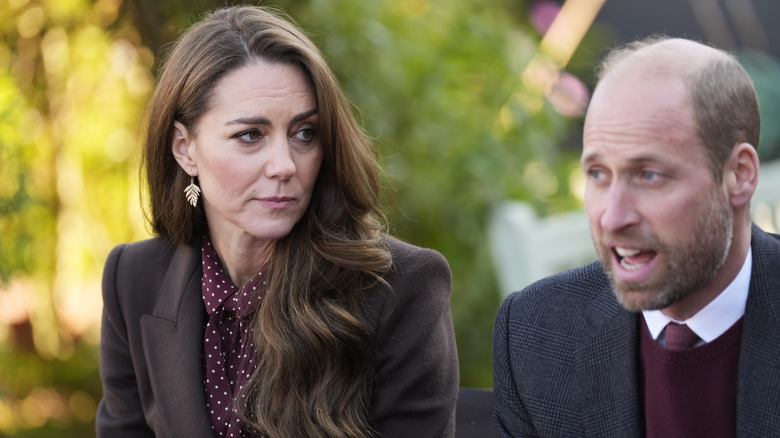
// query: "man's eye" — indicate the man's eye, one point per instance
point(596, 174)
point(650, 175)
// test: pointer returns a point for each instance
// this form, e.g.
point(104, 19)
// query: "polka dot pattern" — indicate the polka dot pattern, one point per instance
point(229, 350)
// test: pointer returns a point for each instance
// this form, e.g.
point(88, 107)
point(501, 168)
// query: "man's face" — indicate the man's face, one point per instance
point(661, 224)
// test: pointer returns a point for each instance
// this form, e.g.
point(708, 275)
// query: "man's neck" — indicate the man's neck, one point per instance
point(699, 298)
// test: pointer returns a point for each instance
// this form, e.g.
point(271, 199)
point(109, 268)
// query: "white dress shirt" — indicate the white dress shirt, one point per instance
point(716, 317)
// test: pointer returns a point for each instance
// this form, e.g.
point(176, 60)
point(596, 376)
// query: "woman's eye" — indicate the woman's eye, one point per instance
point(248, 136)
point(305, 134)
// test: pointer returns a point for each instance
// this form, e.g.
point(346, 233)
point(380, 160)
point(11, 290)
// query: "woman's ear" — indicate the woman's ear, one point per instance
point(184, 149)
point(742, 170)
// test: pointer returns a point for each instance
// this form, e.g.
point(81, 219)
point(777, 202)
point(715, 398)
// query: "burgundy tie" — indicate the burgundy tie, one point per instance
point(679, 336)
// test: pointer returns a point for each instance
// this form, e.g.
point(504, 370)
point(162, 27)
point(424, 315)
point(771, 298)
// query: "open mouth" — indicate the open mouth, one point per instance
point(633, 259)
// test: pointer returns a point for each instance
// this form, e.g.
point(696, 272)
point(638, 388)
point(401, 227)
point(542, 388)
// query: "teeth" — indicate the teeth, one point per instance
point(625, 252)
point(629, 266)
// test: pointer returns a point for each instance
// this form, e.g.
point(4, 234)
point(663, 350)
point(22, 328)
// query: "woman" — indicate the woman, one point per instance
point(271, 303)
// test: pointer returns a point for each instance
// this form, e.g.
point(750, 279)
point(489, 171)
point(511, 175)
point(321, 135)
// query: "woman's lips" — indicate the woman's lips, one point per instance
point(276, 202)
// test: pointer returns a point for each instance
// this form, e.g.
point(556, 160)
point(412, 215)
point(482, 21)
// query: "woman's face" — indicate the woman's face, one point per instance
point(256, 153)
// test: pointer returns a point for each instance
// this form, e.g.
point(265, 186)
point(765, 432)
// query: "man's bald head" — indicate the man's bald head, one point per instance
point(660, 56)
point(720, 92)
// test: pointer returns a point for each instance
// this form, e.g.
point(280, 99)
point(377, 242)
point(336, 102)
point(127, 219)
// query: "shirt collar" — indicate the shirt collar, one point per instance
point(716, 317)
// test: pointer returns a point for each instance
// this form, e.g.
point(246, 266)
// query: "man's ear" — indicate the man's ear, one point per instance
point(183, 148)
point(741, 174)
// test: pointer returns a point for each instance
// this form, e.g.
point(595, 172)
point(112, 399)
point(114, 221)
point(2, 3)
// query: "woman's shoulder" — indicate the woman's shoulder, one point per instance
point(407, 256)
point(137, 268)
point(143, 250)
point(150, 254)
point(417, 276)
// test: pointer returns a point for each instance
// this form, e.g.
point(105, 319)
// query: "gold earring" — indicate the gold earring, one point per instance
point(192, 192)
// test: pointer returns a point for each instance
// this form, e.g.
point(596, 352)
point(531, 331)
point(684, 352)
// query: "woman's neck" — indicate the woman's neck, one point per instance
point(243, 256)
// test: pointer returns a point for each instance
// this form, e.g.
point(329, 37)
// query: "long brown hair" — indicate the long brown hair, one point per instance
point(316, 353)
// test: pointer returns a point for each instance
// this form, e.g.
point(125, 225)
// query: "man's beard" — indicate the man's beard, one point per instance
point(685, 265)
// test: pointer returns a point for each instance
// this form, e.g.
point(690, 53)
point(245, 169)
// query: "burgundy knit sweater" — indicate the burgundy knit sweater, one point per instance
point(693, 392)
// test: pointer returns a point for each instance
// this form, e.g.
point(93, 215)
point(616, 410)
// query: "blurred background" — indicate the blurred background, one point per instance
point(472, 103)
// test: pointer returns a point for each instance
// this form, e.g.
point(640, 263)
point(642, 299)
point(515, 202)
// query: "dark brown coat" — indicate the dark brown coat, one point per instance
point(152, 339)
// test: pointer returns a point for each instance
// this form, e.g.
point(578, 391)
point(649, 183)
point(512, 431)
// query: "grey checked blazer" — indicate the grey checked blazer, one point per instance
point(565, 356)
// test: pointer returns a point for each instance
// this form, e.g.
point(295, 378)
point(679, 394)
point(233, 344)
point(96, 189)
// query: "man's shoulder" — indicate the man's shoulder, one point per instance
point(577, 283)
point(766, 256)
point(765, 277)
point(766, 244)
point(562, 295)
point(556, 314)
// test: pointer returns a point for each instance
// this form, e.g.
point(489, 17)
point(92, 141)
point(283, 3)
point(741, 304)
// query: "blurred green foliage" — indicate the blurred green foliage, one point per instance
point(435, 82)
point(73, 81)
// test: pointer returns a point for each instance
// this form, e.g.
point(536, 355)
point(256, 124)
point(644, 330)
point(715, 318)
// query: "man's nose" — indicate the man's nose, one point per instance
point(620, 210)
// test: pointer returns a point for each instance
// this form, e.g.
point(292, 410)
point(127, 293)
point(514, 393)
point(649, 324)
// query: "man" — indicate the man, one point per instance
point(669, 154)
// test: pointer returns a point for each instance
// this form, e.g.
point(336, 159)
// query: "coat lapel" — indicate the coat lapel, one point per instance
point(173, 342)
point(758, 390)
point(608, 369)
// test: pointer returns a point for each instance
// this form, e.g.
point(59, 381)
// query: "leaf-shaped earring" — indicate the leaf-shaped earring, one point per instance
point(192, 192)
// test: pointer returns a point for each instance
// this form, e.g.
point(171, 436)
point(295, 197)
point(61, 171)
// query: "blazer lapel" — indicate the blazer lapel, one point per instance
point(608, 370)
point(758, 387)
point(173, 342)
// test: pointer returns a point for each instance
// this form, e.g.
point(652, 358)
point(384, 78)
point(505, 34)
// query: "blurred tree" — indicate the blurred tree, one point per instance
point(73, 82)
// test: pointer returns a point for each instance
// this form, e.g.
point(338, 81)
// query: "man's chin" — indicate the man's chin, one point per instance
point(637, 300)
point(631, 301)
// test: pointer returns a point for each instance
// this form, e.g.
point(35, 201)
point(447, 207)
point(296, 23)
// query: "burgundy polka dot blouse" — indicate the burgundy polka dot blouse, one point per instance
point(229, 350)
